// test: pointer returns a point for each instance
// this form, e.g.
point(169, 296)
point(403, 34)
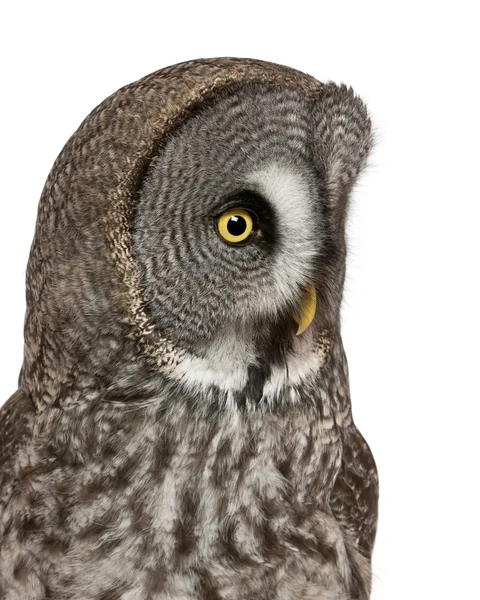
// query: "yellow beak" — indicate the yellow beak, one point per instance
point(307, 309)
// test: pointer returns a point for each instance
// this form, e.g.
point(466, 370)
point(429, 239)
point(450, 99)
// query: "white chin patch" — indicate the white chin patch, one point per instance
point(230, 374)
point(224, 365)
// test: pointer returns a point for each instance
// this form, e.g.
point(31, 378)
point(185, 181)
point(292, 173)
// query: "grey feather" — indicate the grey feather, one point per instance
point(185, 444)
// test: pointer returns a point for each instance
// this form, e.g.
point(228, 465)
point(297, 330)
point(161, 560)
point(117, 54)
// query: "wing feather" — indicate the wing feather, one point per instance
point(16, 428)
point(354, 498)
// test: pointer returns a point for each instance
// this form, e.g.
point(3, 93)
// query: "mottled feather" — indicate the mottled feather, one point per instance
point(16, 428)
point(187, 444)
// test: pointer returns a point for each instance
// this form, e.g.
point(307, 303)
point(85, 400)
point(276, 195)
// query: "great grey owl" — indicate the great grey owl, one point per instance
point(182, 428)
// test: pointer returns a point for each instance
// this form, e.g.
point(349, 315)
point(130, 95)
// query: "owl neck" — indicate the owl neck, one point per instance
point(149, 433)
point(229, 378)
point(232, 375)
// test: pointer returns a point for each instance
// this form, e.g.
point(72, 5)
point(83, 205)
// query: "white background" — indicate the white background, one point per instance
point(410, 317)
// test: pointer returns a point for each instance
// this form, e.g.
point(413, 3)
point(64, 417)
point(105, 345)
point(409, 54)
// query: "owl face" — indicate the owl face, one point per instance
point(233, 227)
point(186, 230)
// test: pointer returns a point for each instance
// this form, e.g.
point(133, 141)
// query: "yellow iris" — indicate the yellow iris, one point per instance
point(235, 226)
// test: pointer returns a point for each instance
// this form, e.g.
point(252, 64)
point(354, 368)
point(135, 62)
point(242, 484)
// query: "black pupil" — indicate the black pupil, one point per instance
point(236, 225)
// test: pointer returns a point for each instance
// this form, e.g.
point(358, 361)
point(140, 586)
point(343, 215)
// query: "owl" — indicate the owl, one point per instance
point(183, 428)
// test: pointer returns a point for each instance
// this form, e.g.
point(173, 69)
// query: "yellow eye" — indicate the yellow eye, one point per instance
point(236, 226)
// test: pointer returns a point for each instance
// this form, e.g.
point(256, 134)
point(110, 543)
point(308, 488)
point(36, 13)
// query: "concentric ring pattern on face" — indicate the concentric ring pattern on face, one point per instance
point(248, 150)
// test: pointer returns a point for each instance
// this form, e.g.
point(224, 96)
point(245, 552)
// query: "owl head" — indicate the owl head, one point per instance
point(191, 236)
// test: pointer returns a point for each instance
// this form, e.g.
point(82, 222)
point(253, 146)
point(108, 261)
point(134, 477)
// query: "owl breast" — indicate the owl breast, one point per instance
point(174, 507)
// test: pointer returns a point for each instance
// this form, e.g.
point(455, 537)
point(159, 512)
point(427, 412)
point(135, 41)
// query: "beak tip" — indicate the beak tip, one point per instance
point(307, 309)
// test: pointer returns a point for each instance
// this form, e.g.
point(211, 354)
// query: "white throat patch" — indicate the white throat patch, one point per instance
point(228, 370)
